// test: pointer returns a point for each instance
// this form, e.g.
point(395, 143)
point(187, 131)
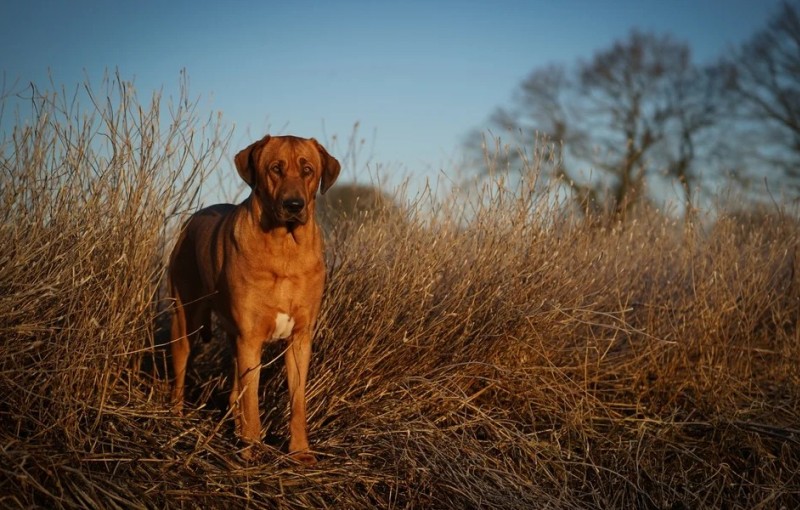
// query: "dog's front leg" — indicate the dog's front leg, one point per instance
point(298, 356)
point(248, 366)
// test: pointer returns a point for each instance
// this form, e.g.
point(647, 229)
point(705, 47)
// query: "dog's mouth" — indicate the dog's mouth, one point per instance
point(292, 218)
point(295, 220)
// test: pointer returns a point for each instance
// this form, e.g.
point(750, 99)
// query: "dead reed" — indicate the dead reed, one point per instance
point(486, 350)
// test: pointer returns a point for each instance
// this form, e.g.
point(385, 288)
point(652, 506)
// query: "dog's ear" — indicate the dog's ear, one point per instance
point(330, 168)
point(245, 161)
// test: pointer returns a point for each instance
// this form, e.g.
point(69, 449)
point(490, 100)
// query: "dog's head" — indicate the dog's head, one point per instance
point(285, 173)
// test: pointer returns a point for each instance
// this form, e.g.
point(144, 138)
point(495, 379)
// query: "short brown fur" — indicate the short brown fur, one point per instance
point(250, 262)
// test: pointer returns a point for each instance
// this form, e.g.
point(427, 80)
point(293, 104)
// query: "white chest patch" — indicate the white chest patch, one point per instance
point(283, 326)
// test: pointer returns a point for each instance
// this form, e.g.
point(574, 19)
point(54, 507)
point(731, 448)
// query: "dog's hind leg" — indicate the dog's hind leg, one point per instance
point(233, 399)
point(190, 322)
point(180, 353)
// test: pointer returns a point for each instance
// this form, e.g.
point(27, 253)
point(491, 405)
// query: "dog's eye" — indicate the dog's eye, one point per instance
point(276, 169)
point(307, 170)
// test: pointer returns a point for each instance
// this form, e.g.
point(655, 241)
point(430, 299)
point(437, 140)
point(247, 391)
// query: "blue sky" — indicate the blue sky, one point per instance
point(417, 76)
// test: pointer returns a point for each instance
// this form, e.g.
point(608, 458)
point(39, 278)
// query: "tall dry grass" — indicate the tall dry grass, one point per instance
point(487, 349)
point(87, 196)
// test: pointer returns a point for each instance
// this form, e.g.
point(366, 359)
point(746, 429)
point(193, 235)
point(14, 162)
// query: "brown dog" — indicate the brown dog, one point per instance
point(259, 266)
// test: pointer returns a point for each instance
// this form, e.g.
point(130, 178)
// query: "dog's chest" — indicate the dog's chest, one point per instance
point(279, 302)
point(284, 324)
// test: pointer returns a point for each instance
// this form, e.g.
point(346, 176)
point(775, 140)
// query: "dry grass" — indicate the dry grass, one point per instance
point(493, 352)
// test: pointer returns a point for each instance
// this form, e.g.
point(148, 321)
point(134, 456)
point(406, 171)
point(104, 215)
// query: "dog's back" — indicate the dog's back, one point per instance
point(195, 264)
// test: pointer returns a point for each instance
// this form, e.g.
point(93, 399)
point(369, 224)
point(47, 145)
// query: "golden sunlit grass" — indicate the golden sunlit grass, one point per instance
point(486, 349)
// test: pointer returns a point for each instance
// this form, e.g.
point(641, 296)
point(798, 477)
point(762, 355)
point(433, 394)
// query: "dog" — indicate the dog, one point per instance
point(259, 266)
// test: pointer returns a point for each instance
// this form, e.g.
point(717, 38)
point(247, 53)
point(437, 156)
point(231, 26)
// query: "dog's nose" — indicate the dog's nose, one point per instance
point(294, 205)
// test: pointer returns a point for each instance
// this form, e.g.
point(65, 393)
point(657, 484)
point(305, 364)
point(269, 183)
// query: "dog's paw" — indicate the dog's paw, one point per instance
point(177, 409)
point(251, 453)
point(303, 457)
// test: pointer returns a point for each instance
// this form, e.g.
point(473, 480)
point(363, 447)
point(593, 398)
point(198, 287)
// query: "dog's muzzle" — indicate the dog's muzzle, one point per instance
point(294, 206)
point(294, 210)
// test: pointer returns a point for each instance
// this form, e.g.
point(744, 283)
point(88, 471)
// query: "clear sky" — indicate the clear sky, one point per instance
point(416, 75)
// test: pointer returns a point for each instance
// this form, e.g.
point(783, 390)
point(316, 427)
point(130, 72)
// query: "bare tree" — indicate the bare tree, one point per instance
point(765, 84)
point(695, 107)
point(634, 110)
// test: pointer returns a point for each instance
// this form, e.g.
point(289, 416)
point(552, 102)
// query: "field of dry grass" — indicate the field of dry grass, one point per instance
point(481, 350)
